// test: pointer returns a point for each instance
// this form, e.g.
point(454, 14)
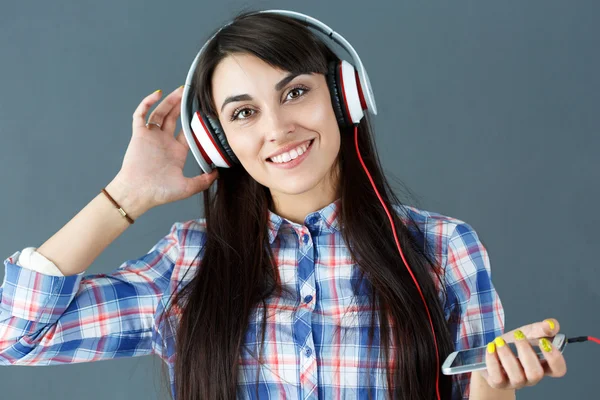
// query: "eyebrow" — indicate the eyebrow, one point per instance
point(242, 97)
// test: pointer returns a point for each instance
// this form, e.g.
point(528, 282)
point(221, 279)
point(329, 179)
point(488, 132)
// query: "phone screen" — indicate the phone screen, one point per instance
point(477, 355)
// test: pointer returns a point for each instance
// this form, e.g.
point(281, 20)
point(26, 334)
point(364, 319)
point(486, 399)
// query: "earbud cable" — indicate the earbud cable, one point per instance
point(437, 370)
point(583, 339)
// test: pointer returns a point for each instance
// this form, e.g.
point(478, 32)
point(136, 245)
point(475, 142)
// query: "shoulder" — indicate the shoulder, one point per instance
point(189, 238)
point(456, 247)
point(191, 233)
point(436, 231)
point(428, 218)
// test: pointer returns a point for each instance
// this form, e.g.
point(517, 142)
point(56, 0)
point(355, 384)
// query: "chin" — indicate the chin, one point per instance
point(295, 186)
point(294, 189)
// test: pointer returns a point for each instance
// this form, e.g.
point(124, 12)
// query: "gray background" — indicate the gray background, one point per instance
point(488, 112)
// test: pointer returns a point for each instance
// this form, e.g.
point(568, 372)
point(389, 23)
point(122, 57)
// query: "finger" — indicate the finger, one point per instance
point(551, 327)
point(510, 364)
point(165, 106)
point(139, 115)
point(557, 366)
point(534, 371)
point(170, 121)
point(201, 182)
point(181, 139)
point(495, 374)
point(546, 328)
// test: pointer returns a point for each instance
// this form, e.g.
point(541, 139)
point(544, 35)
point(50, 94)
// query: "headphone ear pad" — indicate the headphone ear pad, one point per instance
point(219, 135)
point(336, 94)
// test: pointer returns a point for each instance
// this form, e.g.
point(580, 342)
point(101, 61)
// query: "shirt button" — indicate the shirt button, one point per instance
point(308, 298)
point(308, 352)
point(305, 238)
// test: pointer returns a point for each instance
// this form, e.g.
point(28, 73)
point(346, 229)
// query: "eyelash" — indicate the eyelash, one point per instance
point(237, 111)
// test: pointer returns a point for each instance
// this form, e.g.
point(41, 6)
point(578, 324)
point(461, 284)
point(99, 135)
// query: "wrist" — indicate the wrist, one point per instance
point(127, 198)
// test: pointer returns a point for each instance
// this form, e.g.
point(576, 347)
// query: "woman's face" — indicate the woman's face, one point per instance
point(270, 117)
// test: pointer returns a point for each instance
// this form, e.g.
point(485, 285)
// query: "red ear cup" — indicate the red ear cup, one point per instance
point(346, 93)
point(221, 139)
point(211, 142)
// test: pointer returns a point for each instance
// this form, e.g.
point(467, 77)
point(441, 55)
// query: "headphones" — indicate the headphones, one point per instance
point(349, 86)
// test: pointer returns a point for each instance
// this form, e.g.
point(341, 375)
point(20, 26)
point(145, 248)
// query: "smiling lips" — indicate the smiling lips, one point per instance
point(294, 157)
point(290, 155)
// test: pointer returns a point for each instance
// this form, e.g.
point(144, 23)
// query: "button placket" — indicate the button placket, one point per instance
point(303, 334)
point(306, 270)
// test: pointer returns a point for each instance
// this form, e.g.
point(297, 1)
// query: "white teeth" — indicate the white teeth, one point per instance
point(290, 155)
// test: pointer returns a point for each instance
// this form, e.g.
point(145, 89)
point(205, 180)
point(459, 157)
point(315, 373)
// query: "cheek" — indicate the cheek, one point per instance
point(246, 147)
point(318, 114)
point(322, 119)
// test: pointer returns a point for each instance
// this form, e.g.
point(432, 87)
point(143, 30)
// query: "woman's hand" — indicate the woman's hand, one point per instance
point(152, 168)
point(505, 371)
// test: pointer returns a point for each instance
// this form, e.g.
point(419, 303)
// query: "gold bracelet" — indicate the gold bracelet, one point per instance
point(123, 213)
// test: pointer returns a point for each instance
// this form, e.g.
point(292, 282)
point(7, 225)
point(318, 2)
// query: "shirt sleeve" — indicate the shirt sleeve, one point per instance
point(473, 310)
point(47, 319)
point(29, 258)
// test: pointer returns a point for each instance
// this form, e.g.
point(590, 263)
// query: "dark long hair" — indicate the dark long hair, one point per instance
point(238, 271)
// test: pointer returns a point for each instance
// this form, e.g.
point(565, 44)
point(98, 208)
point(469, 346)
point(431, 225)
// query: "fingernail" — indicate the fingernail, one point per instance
point(180, 86)
point(491, 347)
point(545, 345)
point(551, 323)
point(519, 335)
point(499, 342)
point(156, 91)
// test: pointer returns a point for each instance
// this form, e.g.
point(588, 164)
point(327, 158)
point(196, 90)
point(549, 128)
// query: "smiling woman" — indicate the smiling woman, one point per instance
point(298, 283)
point(299, 256)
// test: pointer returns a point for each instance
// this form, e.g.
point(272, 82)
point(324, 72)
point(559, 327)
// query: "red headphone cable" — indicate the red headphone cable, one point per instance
point(437, 370)
point(583, 339)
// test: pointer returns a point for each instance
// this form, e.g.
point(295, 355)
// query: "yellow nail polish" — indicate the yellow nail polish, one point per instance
point(491, 347)
point(545, 345)
point(499, 342)
point(519, 335)
point(180, 86)
point(551, 323)
point(159, 90)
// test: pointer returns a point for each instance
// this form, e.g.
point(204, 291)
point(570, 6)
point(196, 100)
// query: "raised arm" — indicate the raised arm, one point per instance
point(58, 315)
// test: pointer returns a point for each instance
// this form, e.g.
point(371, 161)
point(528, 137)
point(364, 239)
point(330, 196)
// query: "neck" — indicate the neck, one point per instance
point(295, 207)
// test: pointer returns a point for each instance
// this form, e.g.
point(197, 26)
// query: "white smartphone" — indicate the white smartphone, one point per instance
point(469, 360)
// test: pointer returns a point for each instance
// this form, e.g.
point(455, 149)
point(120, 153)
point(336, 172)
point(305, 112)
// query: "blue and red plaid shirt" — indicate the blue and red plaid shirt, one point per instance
point(315, 342)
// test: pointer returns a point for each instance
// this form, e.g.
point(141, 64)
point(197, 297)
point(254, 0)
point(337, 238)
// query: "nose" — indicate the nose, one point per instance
point(278, 125)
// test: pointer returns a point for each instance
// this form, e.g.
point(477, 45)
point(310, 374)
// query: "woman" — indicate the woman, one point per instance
point(292, 285)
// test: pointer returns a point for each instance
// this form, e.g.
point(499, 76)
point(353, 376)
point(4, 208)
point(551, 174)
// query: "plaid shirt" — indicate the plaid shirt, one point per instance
point(315, 342)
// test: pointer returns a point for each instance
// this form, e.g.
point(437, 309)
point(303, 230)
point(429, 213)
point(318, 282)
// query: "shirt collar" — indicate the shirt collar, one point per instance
point(325, 220)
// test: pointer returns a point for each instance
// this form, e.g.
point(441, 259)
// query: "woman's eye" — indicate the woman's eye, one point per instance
point(298, 91)
point(244, 112)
